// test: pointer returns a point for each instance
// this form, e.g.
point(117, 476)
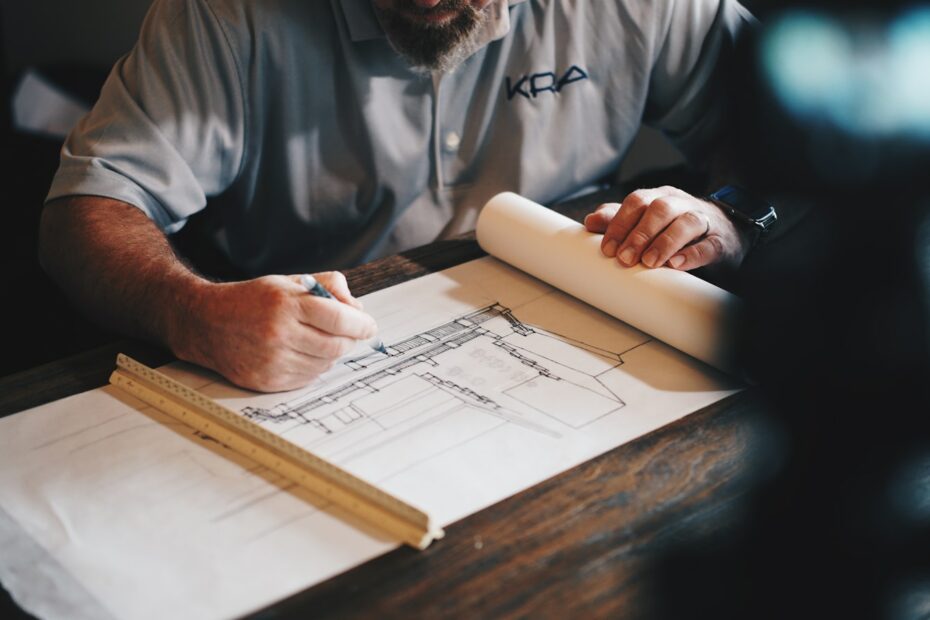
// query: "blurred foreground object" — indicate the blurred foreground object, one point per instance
point(835, 111)
point(41, 107)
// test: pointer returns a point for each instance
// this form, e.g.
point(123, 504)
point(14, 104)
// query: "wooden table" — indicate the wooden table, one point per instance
point(580, 543)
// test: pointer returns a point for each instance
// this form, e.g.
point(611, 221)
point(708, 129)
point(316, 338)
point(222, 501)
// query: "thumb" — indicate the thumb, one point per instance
point(335, 282)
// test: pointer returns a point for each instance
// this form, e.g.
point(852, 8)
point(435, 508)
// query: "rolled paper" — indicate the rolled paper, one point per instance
point(673, 306)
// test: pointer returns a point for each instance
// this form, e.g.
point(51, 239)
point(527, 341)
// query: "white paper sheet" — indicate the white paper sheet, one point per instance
point(495, 382)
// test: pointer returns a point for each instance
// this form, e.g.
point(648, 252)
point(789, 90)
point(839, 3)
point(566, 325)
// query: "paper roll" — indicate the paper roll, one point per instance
point(673, 306)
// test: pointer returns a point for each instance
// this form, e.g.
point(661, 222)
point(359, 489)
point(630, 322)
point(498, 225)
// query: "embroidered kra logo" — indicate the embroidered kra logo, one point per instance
point(532, 85)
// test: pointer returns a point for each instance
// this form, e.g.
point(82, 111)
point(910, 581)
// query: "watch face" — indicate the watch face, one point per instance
point(747, 205)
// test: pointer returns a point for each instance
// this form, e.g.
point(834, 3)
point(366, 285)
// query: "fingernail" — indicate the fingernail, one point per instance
point(649, 259)
point(627, 256)
point(610, 248)
point(676, 261)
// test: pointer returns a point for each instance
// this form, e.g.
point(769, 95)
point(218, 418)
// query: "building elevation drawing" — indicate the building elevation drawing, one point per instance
point(484, 364)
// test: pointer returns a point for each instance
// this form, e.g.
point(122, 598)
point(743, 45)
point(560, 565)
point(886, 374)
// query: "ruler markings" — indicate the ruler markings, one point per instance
point(360, 498)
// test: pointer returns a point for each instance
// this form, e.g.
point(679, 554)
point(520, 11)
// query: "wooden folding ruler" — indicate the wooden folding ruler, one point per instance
point(387, 513)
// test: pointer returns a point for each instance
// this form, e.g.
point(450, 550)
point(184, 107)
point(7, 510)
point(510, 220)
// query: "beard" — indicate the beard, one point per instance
point(432, 47)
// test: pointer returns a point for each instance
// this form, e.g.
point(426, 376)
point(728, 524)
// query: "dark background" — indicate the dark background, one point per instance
point(73, 44)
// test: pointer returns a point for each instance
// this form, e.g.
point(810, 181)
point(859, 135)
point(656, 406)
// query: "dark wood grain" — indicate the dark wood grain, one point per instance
point(424, 260)
point(582, 543)
point(71, 375)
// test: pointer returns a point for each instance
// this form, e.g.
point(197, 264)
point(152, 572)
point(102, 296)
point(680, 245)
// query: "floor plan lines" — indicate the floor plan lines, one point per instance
point(487, 363)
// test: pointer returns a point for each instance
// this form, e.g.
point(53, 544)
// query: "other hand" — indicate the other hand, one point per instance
point(667, 226)
point(270, 334)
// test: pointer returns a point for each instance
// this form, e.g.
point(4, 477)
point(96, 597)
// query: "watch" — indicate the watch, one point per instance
point(746, 210)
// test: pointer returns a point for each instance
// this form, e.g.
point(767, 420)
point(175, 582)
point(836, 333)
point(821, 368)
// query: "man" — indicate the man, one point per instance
point(328, 133)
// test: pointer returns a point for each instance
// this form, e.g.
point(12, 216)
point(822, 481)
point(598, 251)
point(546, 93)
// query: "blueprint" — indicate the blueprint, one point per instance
point(493, 381)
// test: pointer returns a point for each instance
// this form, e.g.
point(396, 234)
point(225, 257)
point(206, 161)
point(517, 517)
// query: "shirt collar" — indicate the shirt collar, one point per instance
point(363, 25)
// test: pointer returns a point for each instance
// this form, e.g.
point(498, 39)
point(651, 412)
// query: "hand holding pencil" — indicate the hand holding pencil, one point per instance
point(315, 288)
point(269, 335)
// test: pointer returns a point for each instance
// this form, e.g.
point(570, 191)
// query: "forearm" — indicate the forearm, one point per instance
point(266, 334)
point(117, 267)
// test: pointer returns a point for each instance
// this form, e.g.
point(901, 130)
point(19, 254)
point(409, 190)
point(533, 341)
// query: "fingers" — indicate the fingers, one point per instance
point(704, 252)
point(655, 219)
point(335, 318)
point(335, 283)
point(627, 218)
point(683, 230)
point(597, 221)
point(331, 327)
point(286, 354)
point(311, 341)
point(666, 226)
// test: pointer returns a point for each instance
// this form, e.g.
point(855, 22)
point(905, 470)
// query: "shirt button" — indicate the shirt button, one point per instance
point(452, 141)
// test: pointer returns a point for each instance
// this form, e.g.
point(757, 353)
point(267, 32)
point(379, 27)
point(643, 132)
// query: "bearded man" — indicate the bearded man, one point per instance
point(325, 133)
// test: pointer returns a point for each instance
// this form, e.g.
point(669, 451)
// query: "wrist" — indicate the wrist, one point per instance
point(188, 304)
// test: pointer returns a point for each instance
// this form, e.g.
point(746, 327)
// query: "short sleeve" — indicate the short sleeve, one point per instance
point(687, 90)
point(168, 129)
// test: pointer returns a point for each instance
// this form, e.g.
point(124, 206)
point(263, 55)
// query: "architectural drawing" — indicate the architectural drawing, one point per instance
point(484, 363)
point(494, 383)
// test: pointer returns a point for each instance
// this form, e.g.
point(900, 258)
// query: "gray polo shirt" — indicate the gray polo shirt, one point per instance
point(317, 147)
